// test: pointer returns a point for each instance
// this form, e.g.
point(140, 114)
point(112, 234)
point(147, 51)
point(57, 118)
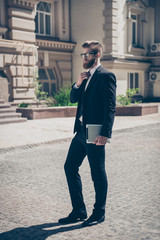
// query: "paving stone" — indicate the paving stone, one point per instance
point(34, 192)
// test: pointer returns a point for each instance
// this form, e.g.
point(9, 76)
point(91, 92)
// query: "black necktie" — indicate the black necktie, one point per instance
point(81, 107)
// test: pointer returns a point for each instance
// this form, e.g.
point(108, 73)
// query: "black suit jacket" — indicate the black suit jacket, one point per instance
point(99, 101)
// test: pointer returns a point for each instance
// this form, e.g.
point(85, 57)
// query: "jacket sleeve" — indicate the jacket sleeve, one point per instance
point(75, 93)
point(109, 103)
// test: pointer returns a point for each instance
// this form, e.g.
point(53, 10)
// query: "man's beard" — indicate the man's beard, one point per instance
point(89, 64)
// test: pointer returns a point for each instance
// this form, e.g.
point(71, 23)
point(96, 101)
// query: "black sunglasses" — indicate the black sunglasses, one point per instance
point(87, 55)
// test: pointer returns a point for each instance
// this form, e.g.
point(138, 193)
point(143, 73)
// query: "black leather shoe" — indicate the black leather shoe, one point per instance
point(93, 220)
point(73, 218)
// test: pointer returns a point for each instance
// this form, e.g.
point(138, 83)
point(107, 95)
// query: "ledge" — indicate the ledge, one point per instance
point(61, 112)
point(47, 112)
point(136, 110)
point(25, 4)
point(58, 45)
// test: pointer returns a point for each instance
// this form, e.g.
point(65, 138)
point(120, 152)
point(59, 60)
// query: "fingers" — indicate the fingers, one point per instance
point(97, 141)
point(84, 75)
point(100, 140)
point(99, 144)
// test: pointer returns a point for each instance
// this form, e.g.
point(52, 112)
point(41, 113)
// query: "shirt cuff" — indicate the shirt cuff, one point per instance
point(75, 86)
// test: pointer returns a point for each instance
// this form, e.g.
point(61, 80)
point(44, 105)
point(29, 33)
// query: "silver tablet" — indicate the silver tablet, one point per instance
point(92, 131)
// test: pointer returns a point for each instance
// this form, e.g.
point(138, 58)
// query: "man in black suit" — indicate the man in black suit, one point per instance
point(95, 92)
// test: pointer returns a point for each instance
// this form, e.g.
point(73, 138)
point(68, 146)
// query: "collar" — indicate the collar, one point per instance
point(92, 71)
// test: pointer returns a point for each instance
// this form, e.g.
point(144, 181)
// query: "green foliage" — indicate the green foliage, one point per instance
point(63, 97)
point(126, 99)
point(24, 105)
point(41, 95)
point(50, 101)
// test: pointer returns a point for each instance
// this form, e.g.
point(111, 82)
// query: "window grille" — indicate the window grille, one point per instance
point(43, 19)
point(133, 80)
point(48, 80)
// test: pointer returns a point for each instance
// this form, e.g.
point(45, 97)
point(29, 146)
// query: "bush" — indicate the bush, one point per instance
point(126, 99)
point(41, 95)
point(62, 98)
point(50, 101)
point(24, 105)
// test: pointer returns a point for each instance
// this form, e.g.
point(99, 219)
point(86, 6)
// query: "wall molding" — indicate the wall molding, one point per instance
point(58, 45)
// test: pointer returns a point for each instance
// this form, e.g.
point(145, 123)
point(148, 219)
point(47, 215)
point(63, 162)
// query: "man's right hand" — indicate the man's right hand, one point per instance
point(82, 77)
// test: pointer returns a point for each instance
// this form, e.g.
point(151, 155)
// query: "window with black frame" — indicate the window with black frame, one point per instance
point(47, 78)
point(134, 30)
point(43, 18)
point(133, 80)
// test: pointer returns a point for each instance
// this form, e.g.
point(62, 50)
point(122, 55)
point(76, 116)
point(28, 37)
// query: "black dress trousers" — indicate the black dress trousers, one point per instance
point(96, 157)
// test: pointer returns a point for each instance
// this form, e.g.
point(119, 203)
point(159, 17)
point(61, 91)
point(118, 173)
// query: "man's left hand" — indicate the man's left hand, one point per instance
point(100, 140)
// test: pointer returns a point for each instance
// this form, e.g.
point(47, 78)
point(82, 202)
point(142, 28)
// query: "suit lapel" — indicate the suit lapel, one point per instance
point(94, 77)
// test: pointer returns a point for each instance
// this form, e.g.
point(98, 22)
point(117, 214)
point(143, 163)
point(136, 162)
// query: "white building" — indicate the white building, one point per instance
point(129, 31)
point(34, 33)
point(49, 34)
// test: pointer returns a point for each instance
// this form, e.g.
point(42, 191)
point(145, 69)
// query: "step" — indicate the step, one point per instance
point(7, 110)
point(12, 120)
point(2, 101)
point(13, 104)
point(10, 115)
point(5, 105)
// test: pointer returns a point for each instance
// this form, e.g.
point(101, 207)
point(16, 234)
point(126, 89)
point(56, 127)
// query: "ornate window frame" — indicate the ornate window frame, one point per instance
point(137, 45)
point(44, 10)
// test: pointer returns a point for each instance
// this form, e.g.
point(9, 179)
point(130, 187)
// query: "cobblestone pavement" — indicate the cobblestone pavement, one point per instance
point(34, 194)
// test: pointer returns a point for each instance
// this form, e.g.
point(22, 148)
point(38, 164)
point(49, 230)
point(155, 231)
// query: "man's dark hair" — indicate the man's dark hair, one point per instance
point(95, 46)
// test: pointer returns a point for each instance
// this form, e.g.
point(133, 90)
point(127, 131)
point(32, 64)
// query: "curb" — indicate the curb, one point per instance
point(32, 145)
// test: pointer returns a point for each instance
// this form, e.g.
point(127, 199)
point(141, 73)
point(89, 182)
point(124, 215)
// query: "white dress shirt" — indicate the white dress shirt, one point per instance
point(92, 71)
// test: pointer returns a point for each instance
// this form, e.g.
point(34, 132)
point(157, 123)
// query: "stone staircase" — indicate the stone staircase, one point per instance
point(8, 114)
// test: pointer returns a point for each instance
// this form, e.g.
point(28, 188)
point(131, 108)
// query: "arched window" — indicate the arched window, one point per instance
point(44, 19)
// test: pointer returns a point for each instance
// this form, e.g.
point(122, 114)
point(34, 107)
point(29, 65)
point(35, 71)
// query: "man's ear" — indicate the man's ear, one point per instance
point(98, 55)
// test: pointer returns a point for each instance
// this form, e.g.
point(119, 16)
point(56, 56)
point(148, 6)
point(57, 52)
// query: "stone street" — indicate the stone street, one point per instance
point(34, 194)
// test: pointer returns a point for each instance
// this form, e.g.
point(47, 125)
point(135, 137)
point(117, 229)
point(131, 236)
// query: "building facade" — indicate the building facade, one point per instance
point(43, 38)
point(34, 41)
point(129, 31)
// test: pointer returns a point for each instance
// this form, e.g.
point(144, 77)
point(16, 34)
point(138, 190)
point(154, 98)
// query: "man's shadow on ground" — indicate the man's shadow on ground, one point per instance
point(37, 232)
